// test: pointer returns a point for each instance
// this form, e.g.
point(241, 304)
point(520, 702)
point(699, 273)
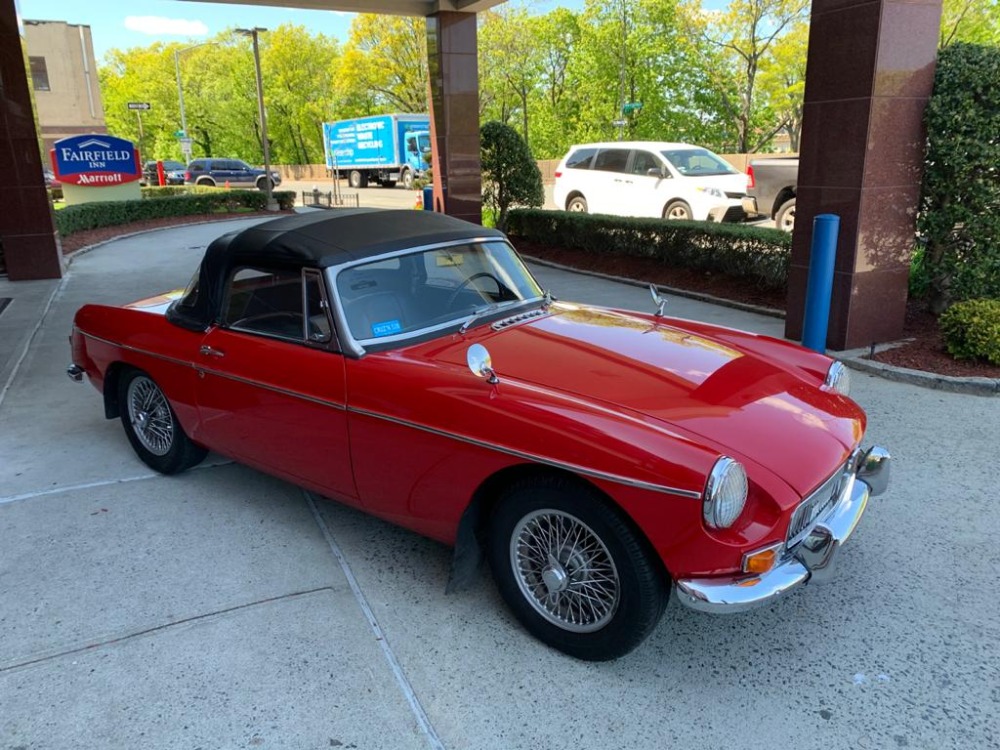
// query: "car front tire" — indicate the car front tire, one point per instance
point(152, 427)
point(407, 179)
point(785, 218)
point(577, 204)
point(677, 211)
point(573, 571)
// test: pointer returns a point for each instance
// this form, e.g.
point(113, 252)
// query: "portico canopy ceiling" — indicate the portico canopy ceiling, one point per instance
point(388, 7)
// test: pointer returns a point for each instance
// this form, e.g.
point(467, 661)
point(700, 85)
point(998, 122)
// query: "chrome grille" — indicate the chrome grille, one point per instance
point(811, 508)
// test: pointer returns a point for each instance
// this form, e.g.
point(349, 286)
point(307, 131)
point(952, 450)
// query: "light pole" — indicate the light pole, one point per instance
point(185, 143)
point(271, 205)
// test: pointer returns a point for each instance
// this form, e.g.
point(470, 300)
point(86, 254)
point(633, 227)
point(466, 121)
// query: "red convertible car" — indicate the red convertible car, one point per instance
point(408, 364)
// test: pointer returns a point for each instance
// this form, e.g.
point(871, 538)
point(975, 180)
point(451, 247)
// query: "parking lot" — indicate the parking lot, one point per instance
point(225, 609)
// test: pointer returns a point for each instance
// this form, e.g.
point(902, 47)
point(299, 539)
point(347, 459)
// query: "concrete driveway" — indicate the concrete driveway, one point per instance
point(225, 609)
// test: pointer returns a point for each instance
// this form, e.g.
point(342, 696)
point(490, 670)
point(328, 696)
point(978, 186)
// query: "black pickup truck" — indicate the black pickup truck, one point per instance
point(771, 190)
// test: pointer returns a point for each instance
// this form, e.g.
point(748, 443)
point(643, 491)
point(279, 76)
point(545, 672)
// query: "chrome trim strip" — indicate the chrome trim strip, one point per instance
point(690, 494)
point(224, 375)
point(532, 457)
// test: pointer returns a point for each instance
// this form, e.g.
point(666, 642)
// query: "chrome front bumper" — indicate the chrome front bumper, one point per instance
point(810, 560)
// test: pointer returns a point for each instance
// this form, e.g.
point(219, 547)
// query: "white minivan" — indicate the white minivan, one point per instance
point(649, 178)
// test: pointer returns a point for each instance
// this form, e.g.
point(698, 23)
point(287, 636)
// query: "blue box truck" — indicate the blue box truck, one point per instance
point(381, 149)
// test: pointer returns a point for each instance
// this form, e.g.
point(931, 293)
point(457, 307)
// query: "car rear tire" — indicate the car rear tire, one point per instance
point(577, 204)
point(677, 211)
point(152, 427)
point(261, 182)
point(572, 570)
point(357, 179)
point(205, 182)
point(785, 218)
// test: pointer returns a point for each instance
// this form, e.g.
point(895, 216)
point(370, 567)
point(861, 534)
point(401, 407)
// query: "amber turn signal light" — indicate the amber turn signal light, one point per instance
point(762, 560)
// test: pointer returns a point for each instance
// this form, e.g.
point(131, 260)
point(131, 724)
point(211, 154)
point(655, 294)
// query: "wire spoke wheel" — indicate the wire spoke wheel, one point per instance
point(150, 417)
point(564, 571)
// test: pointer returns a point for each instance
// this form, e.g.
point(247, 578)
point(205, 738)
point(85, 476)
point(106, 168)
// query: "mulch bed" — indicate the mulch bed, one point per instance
point(925, 350)
point(87, 237)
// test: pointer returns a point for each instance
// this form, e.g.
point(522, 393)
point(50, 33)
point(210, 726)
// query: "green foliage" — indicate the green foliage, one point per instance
point(761, 256)
point(510, 174)
point(156, 191)
point(95, 215)
point(971, 329)
point(972, 21)
point(959, 217)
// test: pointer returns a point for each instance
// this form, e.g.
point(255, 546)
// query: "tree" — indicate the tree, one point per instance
point(743, 35)
point(385, 64)
point(971, 21)
point(511, 64)
point(783, 80)
point(510, 174)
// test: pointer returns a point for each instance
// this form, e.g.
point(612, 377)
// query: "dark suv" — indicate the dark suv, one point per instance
point(220, 172)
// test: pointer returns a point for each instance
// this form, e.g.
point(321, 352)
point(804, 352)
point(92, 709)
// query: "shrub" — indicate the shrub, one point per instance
point(510, 174)
point(971, 329)
point(758, 255)
point(960, 200)
point(95, 215)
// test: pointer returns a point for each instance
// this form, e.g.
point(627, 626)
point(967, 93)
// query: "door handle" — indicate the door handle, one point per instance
point(210, 352)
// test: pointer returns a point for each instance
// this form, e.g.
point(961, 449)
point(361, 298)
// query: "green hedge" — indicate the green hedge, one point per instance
point(95, 215)
point(155, 191)
point(971, 329)
point(759, 255)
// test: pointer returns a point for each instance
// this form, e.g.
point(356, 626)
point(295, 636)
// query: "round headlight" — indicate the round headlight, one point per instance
point(838, 378)
point(725, 493)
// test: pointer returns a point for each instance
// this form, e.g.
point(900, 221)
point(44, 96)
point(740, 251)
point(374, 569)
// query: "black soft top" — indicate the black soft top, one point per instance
point(318, 239)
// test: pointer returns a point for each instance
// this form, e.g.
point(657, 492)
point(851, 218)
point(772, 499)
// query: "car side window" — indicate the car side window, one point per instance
point(285, 304)
point(196, 166)
point(219, 165)
point(581, 158)
point(643, 161)
point(611, 160)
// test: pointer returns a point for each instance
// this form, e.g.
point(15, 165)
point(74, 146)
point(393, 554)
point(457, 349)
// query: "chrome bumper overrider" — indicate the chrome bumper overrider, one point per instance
point(811, 560)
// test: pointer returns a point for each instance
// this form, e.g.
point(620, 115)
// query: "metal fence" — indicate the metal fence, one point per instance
point(318, 199)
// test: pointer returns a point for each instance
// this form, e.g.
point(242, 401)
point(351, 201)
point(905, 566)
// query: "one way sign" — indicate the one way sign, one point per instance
point(140, 105)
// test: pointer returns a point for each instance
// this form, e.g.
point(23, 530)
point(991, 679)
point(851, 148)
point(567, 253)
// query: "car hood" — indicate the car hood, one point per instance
point(755, 407)
point(728, 183)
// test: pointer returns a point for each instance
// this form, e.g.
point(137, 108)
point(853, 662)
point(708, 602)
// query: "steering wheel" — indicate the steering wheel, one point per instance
point(501, 287)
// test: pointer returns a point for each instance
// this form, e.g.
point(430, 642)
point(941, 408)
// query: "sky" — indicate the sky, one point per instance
point(139, 23)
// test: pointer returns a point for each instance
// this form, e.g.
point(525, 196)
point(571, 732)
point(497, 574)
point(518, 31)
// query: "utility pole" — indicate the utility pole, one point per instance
point(271, 204)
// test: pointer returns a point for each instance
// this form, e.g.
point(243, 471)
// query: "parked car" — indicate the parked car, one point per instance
point(646, 178)
point(407, 363)
point(173, 171)
point(771, 190)
point(232, 172)
point(50, 180)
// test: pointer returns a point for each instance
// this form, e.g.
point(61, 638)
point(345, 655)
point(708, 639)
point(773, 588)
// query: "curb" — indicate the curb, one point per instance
point(974, 386)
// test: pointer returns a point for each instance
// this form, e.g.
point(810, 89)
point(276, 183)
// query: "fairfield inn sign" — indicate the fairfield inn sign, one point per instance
point(95, 160)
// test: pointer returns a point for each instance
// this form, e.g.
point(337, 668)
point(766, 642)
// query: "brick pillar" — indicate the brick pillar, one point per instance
point(28, 240)
point(869, 75)
point(454, 84)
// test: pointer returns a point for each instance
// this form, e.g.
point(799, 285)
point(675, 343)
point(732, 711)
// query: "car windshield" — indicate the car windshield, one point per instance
point(416, 293)
point(173, 166)
point(697, 162)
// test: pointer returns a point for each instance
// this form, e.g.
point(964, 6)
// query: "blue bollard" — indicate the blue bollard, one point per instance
point(819, 287)
point(429, 198)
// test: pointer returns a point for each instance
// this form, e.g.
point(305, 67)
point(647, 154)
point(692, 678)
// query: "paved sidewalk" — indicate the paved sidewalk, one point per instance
point(225, 609)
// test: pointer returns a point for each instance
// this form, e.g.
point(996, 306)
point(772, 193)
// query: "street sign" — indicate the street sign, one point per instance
point(179, 134)
point(631, 107)
point(619, 123)
point(140, 105)
point(186, 141)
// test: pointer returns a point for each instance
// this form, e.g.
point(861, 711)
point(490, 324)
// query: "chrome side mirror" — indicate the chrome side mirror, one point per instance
point(480, 363)
point(659, 301)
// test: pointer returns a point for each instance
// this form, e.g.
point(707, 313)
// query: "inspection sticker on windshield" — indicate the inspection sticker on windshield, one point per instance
point(386, 328)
